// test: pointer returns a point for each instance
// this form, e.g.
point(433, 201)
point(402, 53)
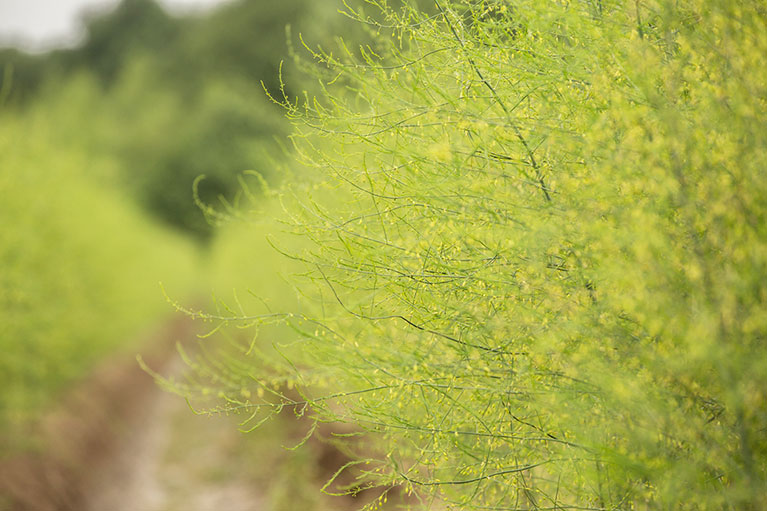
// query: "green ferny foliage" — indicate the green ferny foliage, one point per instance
point(537, 258)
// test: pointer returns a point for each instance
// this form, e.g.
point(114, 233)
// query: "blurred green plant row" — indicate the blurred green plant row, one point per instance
point(79, 267)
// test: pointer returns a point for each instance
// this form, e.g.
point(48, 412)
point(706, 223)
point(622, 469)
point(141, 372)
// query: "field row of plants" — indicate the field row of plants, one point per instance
point(531, 259)
point(80, 267)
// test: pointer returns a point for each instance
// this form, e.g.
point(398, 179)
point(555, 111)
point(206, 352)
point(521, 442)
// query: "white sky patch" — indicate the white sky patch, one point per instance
point(39, 25)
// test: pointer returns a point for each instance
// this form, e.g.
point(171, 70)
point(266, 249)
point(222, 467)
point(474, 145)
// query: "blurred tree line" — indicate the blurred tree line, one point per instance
point(176, 97)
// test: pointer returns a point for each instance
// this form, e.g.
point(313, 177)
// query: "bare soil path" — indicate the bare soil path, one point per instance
point(173, 460)
point(119, 442)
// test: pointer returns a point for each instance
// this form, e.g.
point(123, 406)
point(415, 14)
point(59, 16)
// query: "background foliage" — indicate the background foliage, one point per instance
point(179, 97)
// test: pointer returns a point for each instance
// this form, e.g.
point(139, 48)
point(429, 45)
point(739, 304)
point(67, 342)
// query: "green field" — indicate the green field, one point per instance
point(506, 254)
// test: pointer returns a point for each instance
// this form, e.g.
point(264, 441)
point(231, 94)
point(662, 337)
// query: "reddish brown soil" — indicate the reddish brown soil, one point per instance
point(83, 432)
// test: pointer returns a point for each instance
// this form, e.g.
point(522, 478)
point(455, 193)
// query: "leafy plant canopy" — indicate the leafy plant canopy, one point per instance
point(533, 259)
